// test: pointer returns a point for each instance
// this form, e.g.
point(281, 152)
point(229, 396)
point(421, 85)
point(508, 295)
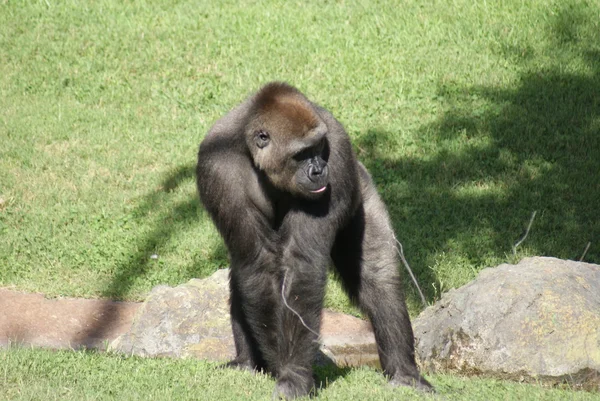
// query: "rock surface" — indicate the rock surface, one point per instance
point(192, 319)
point(538, 319)
point(188, 320)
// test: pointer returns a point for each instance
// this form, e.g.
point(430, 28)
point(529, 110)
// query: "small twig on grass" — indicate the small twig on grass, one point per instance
point(405, 263)
point(585, 251)
point(519, 242)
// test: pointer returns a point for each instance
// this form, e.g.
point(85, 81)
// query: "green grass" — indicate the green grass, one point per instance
point(46, 375)
point(470, 116)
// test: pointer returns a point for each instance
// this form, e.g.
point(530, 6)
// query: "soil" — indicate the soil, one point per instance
point(61, 323)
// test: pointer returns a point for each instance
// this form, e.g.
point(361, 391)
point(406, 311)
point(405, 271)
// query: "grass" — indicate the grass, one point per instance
point(37, 374)
point(470, 116)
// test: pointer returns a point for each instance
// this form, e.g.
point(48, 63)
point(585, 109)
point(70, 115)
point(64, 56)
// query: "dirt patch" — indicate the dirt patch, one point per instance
point(61, 323)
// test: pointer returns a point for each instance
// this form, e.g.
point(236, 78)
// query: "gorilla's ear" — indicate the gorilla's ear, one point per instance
point(262, 138)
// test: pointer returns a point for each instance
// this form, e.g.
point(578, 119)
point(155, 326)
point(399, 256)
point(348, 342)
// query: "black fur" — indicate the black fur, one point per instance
point(281, 243)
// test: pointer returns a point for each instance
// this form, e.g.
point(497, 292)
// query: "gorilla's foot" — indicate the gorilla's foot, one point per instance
point(292, 384)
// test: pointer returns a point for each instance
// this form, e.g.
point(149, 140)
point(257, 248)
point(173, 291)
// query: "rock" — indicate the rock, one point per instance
point(539, 320)
point(348, 341)
point(189, 320)
point(193, 320)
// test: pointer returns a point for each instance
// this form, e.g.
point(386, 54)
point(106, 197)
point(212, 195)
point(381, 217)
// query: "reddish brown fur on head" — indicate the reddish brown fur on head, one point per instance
point(285, 109)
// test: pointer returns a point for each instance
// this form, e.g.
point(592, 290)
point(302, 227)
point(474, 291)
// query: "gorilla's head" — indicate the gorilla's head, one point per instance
point(288, 141)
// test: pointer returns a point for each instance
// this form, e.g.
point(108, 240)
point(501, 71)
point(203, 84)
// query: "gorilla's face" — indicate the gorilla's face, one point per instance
point(295, 166)
point(311, 175)
point(287, 140)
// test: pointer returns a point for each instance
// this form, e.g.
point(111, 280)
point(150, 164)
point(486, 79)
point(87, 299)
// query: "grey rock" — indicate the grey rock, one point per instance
point(189, 320)
point(539, 319)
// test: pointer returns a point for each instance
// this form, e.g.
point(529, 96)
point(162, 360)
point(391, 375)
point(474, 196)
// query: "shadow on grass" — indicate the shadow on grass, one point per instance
point(325, 375)
point(172, 220)
point(504, 153)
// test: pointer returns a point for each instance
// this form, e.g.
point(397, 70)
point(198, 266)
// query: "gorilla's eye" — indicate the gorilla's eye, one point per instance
point(262, 139)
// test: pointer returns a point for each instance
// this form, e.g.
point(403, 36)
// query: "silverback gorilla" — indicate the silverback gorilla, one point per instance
point(281, 182)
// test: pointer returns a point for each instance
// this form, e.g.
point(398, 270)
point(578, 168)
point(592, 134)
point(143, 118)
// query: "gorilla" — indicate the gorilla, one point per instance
point(280, 180)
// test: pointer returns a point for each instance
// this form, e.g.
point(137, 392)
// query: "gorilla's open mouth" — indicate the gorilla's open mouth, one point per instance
point(318, 191)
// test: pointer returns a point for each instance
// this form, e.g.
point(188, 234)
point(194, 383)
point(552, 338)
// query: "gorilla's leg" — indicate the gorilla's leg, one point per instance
point(275, 312)
point(365, 258)
point(248, 356)
point(302, 293)
point(254, 313)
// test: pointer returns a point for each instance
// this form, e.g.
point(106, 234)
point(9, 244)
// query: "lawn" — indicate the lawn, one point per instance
point(47, 375)
point(469, 115)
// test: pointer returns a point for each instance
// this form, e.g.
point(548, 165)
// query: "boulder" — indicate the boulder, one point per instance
point(188, 320)
point(539, 320)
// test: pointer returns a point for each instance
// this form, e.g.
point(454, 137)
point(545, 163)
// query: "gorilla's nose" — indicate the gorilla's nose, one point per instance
point(318, 174)
point(315, 170)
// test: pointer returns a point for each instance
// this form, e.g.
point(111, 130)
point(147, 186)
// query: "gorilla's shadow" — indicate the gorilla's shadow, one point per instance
point(324, 375)
point(174, 216)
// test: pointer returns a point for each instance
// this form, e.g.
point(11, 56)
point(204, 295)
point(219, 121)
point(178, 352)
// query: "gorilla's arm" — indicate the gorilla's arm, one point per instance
point(225, 178)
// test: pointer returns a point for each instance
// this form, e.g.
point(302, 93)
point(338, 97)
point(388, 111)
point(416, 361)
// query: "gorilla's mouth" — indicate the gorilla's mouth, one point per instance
point(318, 191)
